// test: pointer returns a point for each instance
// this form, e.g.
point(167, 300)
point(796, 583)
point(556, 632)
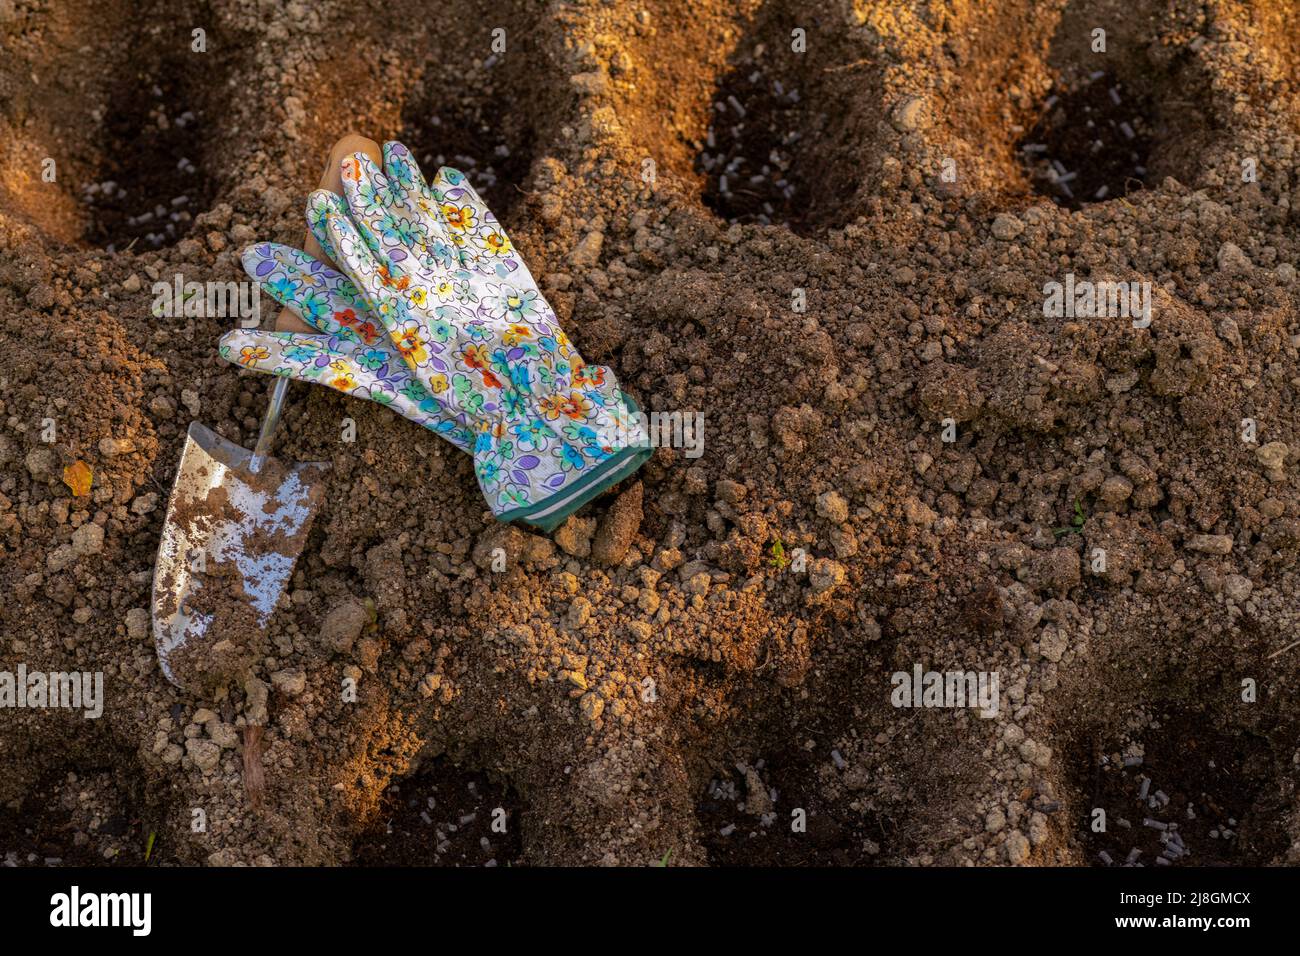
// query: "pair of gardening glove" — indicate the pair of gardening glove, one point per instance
point(437, 316)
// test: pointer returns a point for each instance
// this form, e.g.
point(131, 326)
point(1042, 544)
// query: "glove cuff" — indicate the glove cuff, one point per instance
point(551, 512)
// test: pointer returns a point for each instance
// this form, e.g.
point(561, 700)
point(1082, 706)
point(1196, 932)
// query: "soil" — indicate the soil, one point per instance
point(1090, 144)
point(906, 461)
point(81, 818)
point(443, 816)
point(1218, 790)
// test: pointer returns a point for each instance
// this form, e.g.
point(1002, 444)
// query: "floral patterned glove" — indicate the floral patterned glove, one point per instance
point(351, 353)
point(464, 312)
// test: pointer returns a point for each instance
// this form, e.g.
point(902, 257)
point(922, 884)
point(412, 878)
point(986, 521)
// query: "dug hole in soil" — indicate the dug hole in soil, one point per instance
point(905, 462)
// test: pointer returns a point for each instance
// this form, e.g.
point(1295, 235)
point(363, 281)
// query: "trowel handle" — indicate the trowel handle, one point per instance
point(269, 423)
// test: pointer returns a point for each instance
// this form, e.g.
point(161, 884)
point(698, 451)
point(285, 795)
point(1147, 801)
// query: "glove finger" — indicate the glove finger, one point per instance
point(485, 246)
point(322, 297)
point(421, 205)
point(300, 355)
point(462, 210)
point(378, 208)
point(335, 229)
point(452, 252)
point(356, 370)
point(317, 209)
point(297, 263)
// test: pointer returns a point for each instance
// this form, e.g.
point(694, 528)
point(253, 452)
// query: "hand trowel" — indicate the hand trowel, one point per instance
point(236, 522)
